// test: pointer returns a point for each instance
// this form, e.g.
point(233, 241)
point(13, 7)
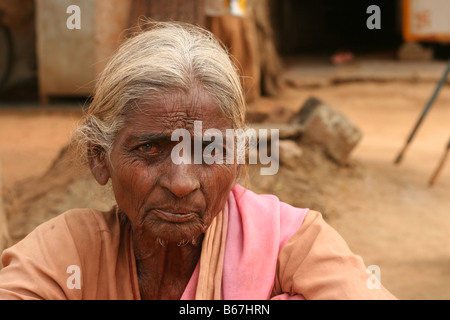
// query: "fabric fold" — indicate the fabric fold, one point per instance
point(209, 285)
point(241, 246)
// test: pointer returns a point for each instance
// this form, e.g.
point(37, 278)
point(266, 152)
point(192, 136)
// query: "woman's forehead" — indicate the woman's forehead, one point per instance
point(177, 110)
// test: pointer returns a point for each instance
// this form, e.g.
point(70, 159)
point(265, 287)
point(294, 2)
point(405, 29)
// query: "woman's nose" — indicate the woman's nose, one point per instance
point(181, 180)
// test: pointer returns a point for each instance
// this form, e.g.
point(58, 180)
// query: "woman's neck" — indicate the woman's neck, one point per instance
point(164, 269)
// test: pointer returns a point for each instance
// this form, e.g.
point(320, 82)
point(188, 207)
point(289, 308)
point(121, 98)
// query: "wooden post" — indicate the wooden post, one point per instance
point(111, 23)
point(239, 35)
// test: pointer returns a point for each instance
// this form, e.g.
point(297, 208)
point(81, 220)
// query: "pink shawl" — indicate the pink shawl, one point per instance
point(240, 249)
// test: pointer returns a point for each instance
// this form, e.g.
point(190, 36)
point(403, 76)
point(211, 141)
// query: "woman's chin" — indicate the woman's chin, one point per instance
point(180, 234)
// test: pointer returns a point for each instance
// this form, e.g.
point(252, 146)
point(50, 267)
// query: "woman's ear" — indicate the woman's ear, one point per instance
point(98, 163)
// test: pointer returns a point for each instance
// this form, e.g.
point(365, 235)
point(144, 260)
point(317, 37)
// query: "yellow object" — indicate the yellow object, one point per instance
point(222, 7)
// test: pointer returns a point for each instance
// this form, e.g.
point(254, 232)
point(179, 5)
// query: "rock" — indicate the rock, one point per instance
point(328, 128)
point(289, 153)
point(280, 114)
point(285, 131)
point(414, 51)
point(256, 116)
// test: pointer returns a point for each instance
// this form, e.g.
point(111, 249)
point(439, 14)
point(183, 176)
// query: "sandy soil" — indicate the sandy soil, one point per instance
point(388, 214)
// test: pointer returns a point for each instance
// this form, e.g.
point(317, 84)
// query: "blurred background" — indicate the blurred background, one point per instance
point(361, 80)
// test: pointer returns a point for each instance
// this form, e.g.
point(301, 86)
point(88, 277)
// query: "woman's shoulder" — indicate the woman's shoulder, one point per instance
point(78, 225)
point(72, 230)
point(88, 221)
point(269, 210)
point(267, 205)
point(40, 265)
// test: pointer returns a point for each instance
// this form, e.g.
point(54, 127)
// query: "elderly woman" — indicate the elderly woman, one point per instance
point(180, 229)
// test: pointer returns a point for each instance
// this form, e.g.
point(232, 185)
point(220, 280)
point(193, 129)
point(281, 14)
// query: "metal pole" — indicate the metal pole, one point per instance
point(440, 165)
point(424, 112)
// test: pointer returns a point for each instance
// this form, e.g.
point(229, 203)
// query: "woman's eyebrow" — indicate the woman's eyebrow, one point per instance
point(146, 137)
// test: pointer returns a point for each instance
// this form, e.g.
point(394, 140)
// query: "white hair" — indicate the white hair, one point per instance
point(169, 56)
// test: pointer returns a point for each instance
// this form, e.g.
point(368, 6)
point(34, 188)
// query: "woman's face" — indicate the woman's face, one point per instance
point(168, 201)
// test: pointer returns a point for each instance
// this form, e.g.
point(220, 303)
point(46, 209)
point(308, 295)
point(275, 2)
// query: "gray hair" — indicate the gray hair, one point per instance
point(168, 56)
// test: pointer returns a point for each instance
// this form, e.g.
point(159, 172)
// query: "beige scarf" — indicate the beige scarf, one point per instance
point(209, 286)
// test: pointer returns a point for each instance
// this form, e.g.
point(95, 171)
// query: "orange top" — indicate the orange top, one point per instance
point(95, 243)
point(92, 249)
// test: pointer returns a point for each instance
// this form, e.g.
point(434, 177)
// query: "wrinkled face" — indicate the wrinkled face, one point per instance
point(169, 201)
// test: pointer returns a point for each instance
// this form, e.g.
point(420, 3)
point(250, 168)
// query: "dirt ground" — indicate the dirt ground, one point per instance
point(388, 214)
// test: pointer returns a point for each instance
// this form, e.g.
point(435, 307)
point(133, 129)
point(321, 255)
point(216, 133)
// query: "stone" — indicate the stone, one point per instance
point(289, 153)
point(331, 130)
point(285, 131)
point(414, 51)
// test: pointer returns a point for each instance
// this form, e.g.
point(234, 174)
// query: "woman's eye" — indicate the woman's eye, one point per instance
point(214, 152)
point(148, 148)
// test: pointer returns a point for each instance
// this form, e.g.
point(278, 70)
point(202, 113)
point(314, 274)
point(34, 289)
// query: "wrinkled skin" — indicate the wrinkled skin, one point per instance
point(169, 205)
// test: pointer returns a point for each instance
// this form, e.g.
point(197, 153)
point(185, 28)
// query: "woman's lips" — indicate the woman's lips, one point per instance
point(174, 217)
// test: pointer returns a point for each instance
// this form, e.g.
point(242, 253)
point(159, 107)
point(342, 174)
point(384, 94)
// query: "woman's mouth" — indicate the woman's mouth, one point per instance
point(174, 216)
